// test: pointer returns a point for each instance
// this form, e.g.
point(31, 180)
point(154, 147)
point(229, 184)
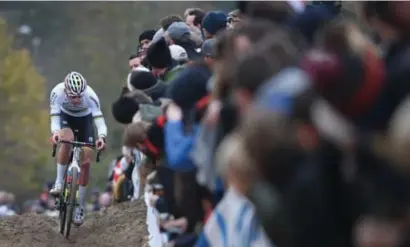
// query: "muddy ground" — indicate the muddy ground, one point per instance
point(120, 225)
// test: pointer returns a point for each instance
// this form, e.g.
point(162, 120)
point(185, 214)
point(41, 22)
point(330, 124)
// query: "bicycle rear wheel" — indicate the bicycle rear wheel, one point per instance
point(71, 203)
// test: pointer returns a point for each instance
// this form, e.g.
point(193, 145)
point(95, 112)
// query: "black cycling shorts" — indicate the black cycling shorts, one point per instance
point(84, 126)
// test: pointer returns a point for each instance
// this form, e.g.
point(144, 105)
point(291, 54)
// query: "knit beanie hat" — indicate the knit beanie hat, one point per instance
point(139, 68)
point(142, 80)
point(159, 55)
point(214, 21)
point(124, 109)
point(190, 86)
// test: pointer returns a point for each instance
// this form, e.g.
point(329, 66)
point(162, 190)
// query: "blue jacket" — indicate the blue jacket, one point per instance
point(178, 146)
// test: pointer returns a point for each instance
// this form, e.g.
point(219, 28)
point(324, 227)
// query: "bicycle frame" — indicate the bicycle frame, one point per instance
point(68, 200)
point(74, 164)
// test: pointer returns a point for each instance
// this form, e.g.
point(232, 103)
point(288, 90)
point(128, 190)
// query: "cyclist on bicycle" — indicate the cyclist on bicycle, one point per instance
point(74, 105)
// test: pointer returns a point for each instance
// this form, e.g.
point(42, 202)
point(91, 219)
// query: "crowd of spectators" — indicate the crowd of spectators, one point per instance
point(277, 124)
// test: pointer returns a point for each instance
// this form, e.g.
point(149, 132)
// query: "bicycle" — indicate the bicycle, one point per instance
point(67, 201)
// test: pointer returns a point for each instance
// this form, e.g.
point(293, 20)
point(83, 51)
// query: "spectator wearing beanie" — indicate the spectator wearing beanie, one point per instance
point(134, 66)
point(127, 105)
point(147, 83)
point(179, 34)
point(214, 21)
point(140, 88)
point(186, 90)
point(160, 59)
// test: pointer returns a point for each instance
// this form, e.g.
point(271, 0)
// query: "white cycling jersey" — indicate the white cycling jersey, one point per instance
point(89, 104)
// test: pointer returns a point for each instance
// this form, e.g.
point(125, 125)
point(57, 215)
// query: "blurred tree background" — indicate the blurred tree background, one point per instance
point(51, 39)
point(24, 120)
point(42, 41)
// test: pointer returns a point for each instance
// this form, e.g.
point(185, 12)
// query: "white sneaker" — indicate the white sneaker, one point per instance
point(78, 216)
point(56, 190)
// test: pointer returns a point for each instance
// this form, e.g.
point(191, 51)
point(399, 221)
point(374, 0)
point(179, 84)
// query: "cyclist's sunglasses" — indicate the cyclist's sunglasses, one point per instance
point(72, 96)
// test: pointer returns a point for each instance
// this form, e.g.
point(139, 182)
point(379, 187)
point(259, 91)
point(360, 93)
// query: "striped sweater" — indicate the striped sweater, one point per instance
point(233, 224)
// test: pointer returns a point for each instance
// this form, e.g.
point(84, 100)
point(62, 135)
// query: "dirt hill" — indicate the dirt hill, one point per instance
point(120, 225)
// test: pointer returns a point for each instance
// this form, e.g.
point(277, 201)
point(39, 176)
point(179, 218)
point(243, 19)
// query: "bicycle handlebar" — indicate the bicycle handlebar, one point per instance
point(77, 144)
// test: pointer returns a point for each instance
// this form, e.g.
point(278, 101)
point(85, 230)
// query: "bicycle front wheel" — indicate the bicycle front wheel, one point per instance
point(72, 200)
point(63, 206)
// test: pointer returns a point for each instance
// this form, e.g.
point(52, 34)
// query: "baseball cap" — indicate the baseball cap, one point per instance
point(178, 30)
point(178, 53)
point(207, 47)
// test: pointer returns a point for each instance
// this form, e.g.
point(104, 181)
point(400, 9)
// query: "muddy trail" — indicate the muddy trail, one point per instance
point(120, 225)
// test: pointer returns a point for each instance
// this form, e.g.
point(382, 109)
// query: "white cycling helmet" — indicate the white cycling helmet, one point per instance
point(75, 83)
